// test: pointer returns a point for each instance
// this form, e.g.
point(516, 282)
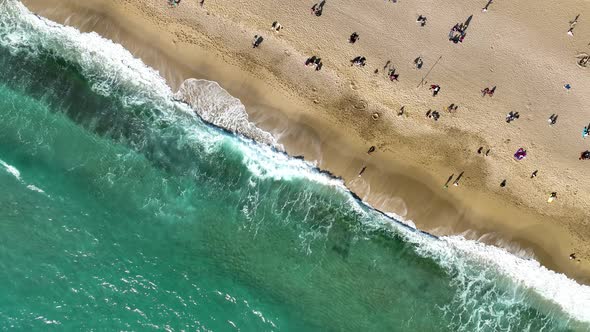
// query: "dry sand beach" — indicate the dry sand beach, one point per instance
point(327, 116)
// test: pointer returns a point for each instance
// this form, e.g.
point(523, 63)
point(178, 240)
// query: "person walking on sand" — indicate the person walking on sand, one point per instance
point(362, 171)
point(371, 149)
point(573, 25)
point(456, 183)
point(201, 3)
point(485, 9)
point(448, 180)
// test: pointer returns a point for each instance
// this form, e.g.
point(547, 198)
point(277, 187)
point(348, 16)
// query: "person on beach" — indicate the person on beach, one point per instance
point(435, 89)
point(174, 3)
point(418, 62)
point(387, 64)
point(452, 108)
point(491, 91)
point(371, 149)
point(257, 41)
point(520, 154)
point(435, 115)
point(534, 174)
point(276, 26)
point(318, 64)
point(314, 61)
point(503, 184)
point(201, 3)
point(353, 38)
point(392, 75)
point(552, 197)
point(448, 180)
point(586, 131)
point(362, 171)
point(479, 150)
point(511, 116)
point(585, 155)
point(485, 9)
point(318, 8)
point(358, 61)
point(552, 119)
point(456, 183)
point(422, 20)
point(573, 25)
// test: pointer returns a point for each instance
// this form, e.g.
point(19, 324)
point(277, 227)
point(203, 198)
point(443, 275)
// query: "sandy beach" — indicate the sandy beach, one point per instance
point(328, 116)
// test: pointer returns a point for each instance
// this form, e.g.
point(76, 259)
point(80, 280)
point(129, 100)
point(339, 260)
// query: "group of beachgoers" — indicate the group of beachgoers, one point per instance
point(459, 31)
point(314, 61)
point(360, 61)
point(457, 34)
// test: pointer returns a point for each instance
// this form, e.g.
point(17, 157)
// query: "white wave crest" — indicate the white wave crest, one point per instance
point(112, 69)
point(215, 105)
point(11, 169)
point(107, 65)
point(473, 262)
point(16, 173)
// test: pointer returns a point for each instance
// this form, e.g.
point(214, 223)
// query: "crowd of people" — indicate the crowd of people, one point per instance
point(459, 31)
point(457, 34)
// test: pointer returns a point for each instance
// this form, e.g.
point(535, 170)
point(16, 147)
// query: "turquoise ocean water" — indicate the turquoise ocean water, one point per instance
point(121, 210)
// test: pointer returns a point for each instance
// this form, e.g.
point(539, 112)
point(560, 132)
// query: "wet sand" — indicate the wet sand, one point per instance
point(334, 128)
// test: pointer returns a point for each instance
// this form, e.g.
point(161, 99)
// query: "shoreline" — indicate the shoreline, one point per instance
point(448, 212)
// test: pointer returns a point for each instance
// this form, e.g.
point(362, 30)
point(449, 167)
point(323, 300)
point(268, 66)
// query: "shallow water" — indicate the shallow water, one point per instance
point(121, 209)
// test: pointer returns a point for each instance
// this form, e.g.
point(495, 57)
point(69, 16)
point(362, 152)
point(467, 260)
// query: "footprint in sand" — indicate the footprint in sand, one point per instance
point(360, 105)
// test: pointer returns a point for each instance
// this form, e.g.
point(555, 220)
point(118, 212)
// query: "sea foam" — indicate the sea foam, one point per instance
point(215, 105)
